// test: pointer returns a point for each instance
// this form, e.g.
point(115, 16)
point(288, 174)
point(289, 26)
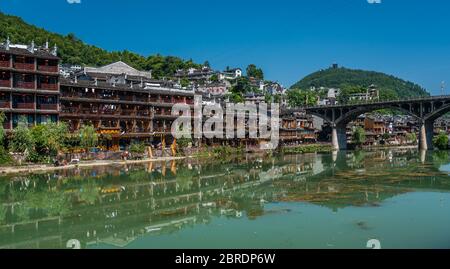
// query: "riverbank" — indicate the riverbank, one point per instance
point(84, 164)
point(222, 153)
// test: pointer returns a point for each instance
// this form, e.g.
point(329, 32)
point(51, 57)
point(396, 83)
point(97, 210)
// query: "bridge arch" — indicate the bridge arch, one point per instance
point(355, 113)
point(438, 112)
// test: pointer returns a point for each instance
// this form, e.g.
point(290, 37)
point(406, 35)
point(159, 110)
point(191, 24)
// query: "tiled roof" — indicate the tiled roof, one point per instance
point(39, 53)
point(118, 68)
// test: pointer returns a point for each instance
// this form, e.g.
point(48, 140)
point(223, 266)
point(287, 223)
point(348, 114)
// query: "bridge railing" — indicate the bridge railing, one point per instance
point(423, 98)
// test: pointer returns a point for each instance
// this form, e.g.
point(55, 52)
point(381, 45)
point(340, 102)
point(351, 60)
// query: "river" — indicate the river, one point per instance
point(401, 198)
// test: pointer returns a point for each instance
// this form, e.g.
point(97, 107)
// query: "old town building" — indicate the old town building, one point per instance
point(29, 84)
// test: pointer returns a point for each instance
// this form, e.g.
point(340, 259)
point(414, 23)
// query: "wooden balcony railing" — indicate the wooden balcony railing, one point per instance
point(24, 106)
point(5, 83)
point(109, 112)
point(128, 112)
point(4, 64)
point(126, 98)
point(24, 66)
point(5, 104)
point(48, 68)
point(48, 106)
point(144, 113)
point(24, 85)
point(48, 86)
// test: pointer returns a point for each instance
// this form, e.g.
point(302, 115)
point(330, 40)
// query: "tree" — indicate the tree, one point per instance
point(22, 139)
point(2, 130)
point(254, 72)
point(49, 138)
point(411, 137)
point(359, 136)
point(88, 137)
point(214, 78)
point(298, 98)
point(441, 141)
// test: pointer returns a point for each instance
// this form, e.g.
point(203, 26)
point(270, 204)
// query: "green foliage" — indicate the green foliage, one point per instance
point(225, 151)
point(137, 147)
point(22, 140)
point(389, 86)
point(184, 82)
point(441, 141)
point(73, 50)
point(88, 137)
point(411, 137)
point(359, 136)
point(307, 149)
point(184, 142)
point(2, 130)
point(49, 138)
point(297, 98)
point(214, 78)
point(386, 136)
point(5, 158)
point(254, 72)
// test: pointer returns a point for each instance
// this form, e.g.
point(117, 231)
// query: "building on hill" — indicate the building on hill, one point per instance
point(371, 94)
point(29, 83)
point(331, 96)
point(230, 74)
point(214, 89)
point(193, 74)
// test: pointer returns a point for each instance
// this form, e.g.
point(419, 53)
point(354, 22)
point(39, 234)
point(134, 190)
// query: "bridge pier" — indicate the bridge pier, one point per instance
point(339, 138)
point(426, 135)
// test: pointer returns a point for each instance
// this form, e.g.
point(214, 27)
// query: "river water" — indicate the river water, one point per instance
point(399, 197)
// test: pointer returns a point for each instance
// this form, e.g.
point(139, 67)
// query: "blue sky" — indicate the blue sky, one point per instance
point(287, 38)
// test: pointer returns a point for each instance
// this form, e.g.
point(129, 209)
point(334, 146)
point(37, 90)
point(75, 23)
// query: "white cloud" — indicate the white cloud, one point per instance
point(74, 1)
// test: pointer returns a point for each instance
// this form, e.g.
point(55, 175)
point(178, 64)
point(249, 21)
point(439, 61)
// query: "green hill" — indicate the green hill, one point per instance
point(344, 78)
point(74, 51)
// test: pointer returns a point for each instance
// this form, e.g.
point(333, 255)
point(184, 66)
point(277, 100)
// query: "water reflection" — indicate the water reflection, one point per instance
point(116, 205)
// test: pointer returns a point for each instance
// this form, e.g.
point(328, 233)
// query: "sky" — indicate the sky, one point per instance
point(289, 39)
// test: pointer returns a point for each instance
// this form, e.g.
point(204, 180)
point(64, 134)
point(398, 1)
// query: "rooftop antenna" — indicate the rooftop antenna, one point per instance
point(443, 88)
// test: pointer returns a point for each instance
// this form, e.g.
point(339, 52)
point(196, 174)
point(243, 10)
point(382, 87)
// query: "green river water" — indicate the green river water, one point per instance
point(324, 201)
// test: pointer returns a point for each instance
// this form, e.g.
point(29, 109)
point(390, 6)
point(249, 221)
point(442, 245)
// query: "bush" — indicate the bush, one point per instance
point(22, 139)
point(5, 157)
point(359, 136)
point(441, 141)
point(137, 147)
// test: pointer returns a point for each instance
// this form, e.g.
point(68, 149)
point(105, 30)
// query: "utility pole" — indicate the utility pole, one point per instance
point(443, 88)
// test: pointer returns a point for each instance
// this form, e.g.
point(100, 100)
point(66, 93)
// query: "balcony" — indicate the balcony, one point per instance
point(24, 66)
point(5, 104)
point(128, 112)
point(144, 113)
point(24, 106)
point(5, 64)
point(109, 112)
point(5, 83)
point(48, 86)
point(126, 98)
point(154, 100)
point(48, 68)
point(24, 85)
point(48, 106)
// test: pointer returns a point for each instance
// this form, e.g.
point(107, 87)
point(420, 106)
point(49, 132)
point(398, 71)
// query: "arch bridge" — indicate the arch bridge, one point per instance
point(426, 110)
